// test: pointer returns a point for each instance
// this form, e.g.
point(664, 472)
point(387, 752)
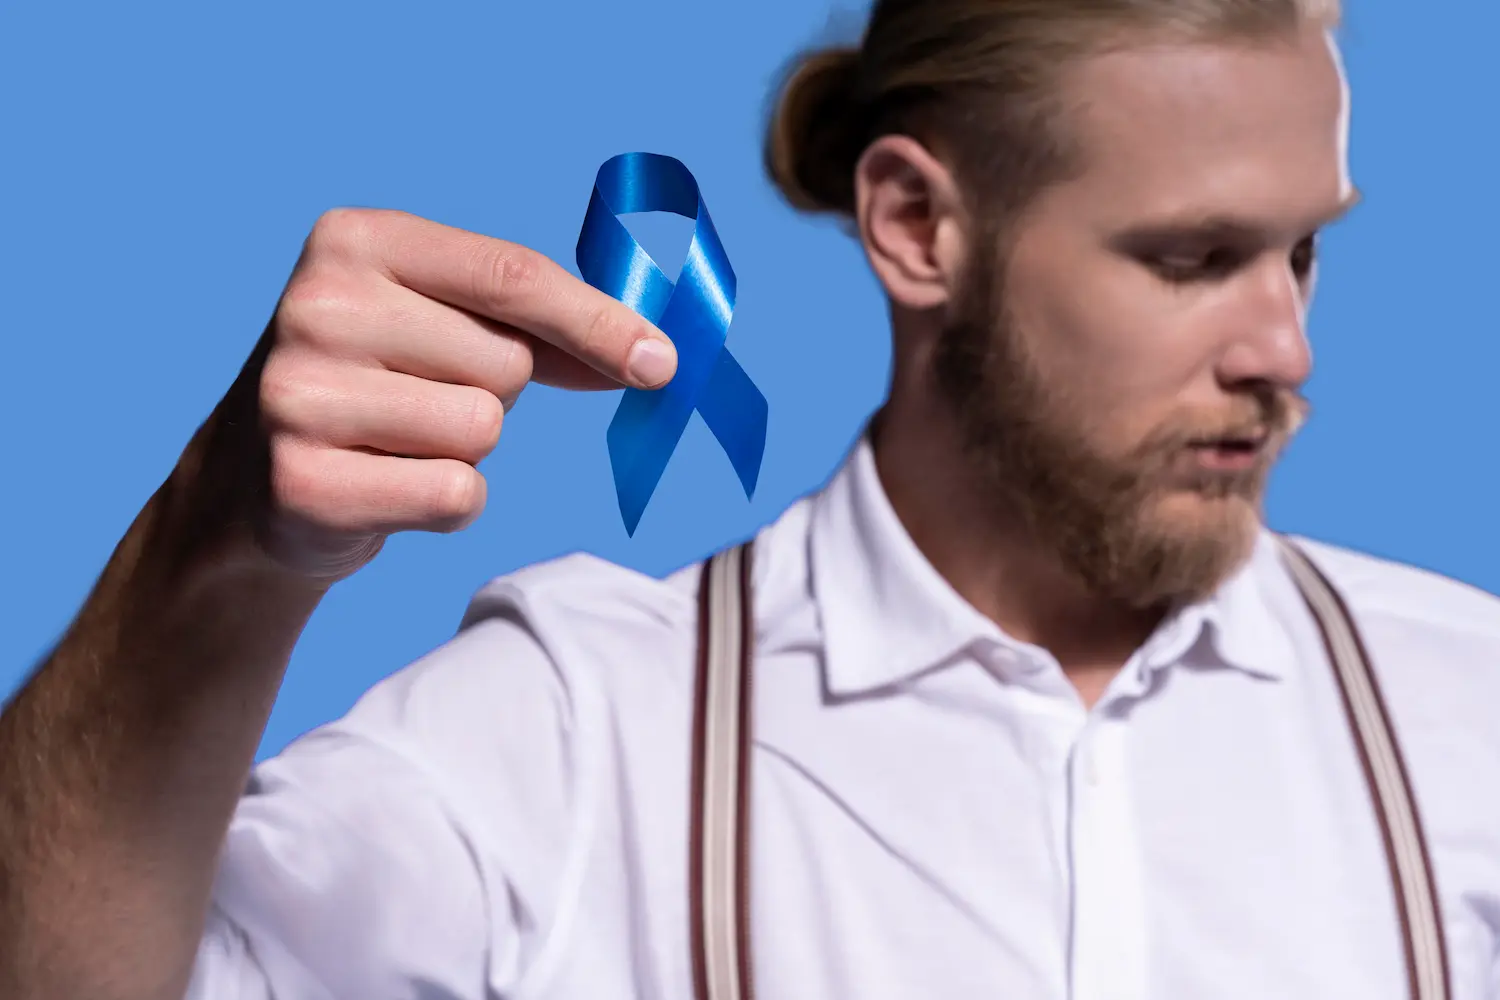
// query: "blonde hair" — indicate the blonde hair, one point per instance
point(976, 81)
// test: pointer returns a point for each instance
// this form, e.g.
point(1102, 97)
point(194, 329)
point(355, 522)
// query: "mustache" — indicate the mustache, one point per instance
point(1271, 415)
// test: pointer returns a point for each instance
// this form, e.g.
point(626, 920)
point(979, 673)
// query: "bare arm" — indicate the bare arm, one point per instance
point(122, 758)
point(378, 385)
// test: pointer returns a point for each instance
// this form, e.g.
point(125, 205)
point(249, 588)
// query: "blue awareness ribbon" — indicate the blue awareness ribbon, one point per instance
point(694, 312)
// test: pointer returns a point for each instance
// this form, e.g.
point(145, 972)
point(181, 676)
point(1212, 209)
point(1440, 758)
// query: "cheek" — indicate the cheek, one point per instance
point(1113, 344)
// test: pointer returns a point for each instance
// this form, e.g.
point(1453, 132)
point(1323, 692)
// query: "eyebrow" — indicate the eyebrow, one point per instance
point(1215, 227)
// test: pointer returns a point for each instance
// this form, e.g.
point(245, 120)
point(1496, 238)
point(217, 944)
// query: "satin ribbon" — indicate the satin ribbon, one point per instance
point(694, 312)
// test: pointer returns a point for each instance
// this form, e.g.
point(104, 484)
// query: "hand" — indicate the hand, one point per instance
point(385, 375)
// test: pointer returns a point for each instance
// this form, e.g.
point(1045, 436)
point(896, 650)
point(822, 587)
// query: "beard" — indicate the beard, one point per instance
point(1143, 529)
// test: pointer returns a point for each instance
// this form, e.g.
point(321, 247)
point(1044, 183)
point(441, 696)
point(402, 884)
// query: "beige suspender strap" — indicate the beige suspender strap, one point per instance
point(719, 876)
point(1395, 807)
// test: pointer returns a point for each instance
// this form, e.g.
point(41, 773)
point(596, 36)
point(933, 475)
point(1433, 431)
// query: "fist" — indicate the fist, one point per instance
point(385, 375)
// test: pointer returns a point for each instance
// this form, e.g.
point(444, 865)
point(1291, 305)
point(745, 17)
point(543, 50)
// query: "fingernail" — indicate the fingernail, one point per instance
point(651, 362)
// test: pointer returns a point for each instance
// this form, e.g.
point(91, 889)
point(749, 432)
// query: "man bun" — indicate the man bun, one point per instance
point(978, 80)
point(817, 132)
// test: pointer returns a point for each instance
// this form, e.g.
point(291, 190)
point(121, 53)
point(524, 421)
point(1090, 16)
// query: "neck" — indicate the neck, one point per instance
point(990, 558)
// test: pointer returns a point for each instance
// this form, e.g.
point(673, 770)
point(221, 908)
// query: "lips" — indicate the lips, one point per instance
point(1237, 441)
point(1231, 452)
point(1233, 445)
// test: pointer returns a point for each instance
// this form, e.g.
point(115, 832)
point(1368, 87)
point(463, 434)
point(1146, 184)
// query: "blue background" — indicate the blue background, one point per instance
point(162, 163)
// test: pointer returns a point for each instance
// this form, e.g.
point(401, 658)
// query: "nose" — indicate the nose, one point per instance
point(1268, 342)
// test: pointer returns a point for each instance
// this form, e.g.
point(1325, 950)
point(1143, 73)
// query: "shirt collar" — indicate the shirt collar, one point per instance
point(888, 615)
point(1243, 626)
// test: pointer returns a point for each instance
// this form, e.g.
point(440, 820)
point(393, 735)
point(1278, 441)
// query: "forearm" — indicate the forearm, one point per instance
point(123, 757)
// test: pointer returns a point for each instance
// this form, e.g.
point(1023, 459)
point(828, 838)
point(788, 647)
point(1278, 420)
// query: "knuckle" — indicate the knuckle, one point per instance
point(281, 388)
point(343, 232)
point(505, 274)
point(293, 391)
point(485, 418)
point(457, 494)
point(608, 334)
point(316, 311)
point(515, 367)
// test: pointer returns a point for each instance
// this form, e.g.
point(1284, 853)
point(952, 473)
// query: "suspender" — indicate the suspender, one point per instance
point(1385, 772)
point(719, 876)
point(720, 904)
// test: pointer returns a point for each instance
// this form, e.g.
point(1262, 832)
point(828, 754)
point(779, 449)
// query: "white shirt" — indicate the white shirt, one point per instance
point(935, 814)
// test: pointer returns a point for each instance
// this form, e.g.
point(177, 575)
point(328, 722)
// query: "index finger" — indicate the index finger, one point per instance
point(512, 284)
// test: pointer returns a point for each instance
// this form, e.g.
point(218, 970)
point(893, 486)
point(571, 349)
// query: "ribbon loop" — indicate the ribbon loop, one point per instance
point(695, 312)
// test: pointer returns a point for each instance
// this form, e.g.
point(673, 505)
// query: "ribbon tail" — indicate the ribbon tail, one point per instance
point(642, 437)
point(736, 411)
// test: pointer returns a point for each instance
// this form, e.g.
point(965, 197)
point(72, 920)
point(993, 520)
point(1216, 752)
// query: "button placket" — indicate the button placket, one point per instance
point(1108, 940)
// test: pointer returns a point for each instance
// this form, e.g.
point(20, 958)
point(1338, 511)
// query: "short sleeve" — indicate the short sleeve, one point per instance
point(414, 847)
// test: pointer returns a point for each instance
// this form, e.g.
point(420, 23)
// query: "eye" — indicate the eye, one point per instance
point(1304, 257)
point(1187, 268)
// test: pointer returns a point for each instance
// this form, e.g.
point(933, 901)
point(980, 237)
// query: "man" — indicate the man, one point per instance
point(1040, 708)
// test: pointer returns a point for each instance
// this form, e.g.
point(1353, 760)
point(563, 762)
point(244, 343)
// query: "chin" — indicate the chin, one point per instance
point(1187, 545)
point(1199, 513)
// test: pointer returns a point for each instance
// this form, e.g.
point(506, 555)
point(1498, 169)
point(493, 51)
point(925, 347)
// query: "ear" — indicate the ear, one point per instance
point(911, 221)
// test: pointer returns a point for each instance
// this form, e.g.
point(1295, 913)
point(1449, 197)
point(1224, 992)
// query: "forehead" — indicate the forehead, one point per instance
point(1246, 127)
